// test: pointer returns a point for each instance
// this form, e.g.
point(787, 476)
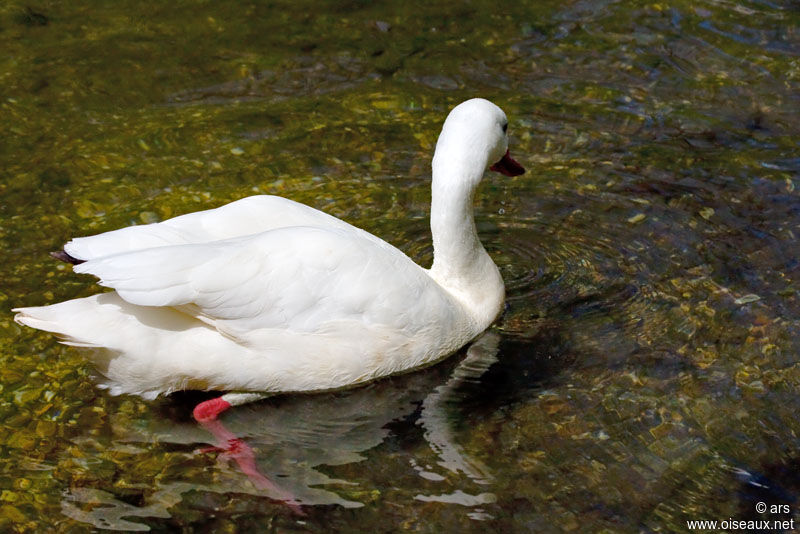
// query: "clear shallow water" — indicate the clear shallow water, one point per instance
point(645, 371)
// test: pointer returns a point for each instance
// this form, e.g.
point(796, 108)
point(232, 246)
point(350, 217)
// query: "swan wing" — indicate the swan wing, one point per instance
point(302, 279)
point(247, 216)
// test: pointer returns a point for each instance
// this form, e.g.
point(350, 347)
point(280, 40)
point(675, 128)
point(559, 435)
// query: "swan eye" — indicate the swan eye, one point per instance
point(505, 127)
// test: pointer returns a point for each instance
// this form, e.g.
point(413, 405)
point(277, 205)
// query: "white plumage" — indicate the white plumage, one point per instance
point(268, 295)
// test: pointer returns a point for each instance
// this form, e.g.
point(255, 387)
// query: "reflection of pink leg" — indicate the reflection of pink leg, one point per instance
point(206, 414)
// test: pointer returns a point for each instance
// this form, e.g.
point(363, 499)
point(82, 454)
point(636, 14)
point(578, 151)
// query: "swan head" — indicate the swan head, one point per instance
point(475, 138)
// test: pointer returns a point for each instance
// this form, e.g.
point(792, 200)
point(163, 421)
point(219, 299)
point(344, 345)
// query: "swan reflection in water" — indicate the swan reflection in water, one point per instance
point(278, 444)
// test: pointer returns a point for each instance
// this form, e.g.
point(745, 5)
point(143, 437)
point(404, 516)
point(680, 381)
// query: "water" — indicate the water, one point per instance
point(645, 371)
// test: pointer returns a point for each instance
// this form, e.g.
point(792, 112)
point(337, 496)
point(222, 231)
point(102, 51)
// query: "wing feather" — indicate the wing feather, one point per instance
point(247, 216)
point(294, 278)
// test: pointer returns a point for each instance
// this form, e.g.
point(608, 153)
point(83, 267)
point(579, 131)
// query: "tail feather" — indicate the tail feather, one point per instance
point(46, 318)
point(137, 349)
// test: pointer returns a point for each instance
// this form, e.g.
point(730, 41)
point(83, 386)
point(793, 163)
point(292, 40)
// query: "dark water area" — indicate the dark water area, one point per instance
point(645, 372)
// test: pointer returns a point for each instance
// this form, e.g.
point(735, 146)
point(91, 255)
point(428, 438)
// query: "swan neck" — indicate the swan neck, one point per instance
point(455, 238)
point(460, 263)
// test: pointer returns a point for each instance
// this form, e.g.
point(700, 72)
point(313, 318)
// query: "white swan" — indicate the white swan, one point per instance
point(267, 295)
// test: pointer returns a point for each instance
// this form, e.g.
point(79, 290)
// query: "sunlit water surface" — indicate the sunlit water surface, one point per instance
point(645, 371)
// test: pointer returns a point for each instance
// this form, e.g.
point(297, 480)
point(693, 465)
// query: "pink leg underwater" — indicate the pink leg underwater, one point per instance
point(210, 409)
